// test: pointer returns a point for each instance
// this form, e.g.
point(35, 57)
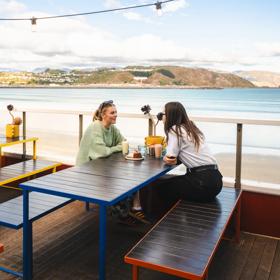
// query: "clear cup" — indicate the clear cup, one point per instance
point(158, 150)
point(125, 147)
point(142, 150)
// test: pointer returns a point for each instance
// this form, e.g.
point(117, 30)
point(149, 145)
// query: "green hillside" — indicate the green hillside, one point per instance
point(168, 76)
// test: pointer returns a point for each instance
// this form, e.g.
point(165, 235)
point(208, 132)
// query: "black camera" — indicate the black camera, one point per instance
point(146, 109)
point(160, 116)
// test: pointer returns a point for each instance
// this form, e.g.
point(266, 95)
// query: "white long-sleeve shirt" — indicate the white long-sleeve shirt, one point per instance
point(187, 153)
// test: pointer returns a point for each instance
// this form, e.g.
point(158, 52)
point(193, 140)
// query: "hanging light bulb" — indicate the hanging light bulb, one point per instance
point(33, 24)
point(158, 8)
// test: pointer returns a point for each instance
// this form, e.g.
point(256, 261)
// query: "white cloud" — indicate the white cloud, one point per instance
point(61, 42)
point(172, 7)
point(73, 42)
point(9, 7)
point(269, 49)
point(138, 17)
point(111, 4)
point(133, 16)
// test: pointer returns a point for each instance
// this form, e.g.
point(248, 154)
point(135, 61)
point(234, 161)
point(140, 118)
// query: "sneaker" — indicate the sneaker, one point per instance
point(128, 221)
point(139, 215)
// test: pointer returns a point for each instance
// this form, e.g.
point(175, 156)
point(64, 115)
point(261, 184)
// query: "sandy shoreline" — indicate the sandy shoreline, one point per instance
point(62, 147)
point(112, 86)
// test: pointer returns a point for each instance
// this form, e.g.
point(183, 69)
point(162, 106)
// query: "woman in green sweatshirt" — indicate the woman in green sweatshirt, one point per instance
point(101, 138)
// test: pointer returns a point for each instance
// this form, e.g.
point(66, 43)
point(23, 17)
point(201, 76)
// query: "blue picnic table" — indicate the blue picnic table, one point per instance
point(103, 181)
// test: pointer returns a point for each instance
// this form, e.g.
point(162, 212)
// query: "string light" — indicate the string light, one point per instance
point(158, 8)
point(33, 24)
point(34, 20)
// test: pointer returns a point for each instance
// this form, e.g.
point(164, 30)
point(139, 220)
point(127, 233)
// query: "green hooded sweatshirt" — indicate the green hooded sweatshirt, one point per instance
point(98, 142)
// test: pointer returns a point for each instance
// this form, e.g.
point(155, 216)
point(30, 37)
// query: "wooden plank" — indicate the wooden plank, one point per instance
point(72, 192)
point(232, 259)
point(275, 270)
point(265, 265)
point(24, 169)
point(254, 259)
point(97, 184)
point(87, 181)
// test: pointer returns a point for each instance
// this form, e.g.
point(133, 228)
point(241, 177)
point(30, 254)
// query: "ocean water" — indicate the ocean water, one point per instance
point(245, 103)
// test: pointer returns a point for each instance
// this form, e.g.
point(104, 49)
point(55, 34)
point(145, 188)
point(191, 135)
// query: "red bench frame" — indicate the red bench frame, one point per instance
point(185, 274)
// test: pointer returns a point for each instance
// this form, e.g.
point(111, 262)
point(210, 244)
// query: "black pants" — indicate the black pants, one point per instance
point(202, 186)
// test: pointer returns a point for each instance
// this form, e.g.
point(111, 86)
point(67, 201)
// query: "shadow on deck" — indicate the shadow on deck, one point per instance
point(66, 247)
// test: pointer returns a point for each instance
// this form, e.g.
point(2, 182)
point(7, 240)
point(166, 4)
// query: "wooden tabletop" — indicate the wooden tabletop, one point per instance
point(104, 181)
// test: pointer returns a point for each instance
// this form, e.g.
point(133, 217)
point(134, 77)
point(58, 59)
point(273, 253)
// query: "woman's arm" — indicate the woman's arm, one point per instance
point(170, 160)
point(172, 149)
point(100, 149)
point(83, 153)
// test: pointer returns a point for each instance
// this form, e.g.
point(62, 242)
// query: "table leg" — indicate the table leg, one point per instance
point(34, 150)
point(27, 239)
point(102, 242)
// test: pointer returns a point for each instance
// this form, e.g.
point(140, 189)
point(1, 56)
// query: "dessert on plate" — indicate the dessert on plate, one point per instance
point(136, 154)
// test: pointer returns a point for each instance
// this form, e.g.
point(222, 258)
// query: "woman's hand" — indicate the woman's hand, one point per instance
point(170, 160)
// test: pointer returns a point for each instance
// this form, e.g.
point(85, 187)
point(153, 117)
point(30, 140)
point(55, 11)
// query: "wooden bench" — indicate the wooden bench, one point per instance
point(11, 213)
point(21, 170)
point(184, 241)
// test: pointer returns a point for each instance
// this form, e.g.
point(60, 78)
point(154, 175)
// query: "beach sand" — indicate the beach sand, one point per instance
point(64, 147)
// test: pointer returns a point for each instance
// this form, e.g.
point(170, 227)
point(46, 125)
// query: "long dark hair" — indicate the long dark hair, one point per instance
point(101, 109)
point(176, 115)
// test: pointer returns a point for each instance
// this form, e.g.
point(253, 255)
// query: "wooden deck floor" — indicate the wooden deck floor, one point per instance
point(66, 247)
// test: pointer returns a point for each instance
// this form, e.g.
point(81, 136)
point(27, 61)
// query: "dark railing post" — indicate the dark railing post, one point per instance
point(24, 134)
point(151, 127)
point(80, 127)
point(238, 156)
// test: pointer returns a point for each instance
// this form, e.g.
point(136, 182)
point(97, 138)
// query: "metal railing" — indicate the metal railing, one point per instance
point(239, 122)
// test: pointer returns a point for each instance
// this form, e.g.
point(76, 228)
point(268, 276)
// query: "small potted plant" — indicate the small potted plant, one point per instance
point(12, 129)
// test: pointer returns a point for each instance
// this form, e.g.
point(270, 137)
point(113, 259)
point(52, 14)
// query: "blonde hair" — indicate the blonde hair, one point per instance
point(97, 115)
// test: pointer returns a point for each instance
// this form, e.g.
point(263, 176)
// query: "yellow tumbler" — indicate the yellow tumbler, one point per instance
point(12, 130)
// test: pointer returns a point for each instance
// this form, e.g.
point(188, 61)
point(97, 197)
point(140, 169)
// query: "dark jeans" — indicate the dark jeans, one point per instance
point(202, 186)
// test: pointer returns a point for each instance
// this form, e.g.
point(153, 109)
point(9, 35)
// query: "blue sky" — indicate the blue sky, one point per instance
point(222, 35)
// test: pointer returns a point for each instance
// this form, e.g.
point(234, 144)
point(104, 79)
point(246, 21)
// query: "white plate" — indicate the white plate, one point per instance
point(132, 158)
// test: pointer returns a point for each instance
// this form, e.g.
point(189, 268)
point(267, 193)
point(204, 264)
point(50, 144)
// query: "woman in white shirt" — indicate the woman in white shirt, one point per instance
point(186, 144)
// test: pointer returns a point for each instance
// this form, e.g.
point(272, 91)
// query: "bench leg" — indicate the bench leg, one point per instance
point(135, 272)
point(87, 206)
point(237, 222)
point(27, 239)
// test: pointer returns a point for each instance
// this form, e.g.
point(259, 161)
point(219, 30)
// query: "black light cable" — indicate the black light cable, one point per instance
point(33, 20)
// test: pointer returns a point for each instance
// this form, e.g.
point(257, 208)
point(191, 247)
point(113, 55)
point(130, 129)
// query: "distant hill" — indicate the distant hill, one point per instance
point(195, 77)
point(168, 76)
point(261, 78)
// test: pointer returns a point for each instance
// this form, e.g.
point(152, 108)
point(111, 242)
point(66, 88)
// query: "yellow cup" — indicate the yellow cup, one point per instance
point(152, 140)
point(12, 130)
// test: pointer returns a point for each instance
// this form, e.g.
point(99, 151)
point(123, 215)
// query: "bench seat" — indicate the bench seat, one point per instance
point(11, 211)
point(184, 241)
point(21, 170)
